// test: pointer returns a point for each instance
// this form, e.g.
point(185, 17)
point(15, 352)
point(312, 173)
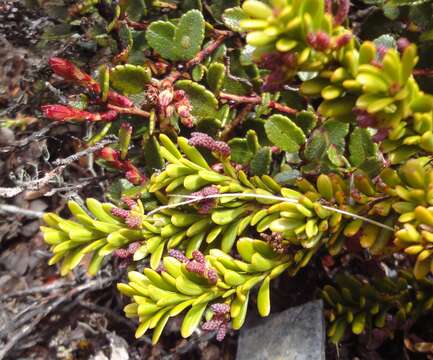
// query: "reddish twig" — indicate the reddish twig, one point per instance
point(423, 72)
point(208, 50)
point(136, 25)
point(257, 100)
point(130, 111)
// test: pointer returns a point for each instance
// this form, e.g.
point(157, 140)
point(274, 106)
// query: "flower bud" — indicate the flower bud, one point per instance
point(319, 41)
point(212, 325)
point(133, 175)
point(342, 12)
point(198, 256)
point(109, 154)
point(116, 99)
point(212, 276)
point(129, 202)
point(165, 97)
point(121, 213)
point(179, 95)
point(204, 140)
point(220, 308)
point(402, 44)
point(68, 71)
point(178, 255)
point(133, 247)
point(64, 113)
point(343, 40)
point(196, 267)
point(121, 253)
point(183, 110)
point(133, 221)
point(222, 331)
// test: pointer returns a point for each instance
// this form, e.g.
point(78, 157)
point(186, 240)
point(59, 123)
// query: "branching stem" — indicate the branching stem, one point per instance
point(257, 100)
point(194, 199)
point(130, 111)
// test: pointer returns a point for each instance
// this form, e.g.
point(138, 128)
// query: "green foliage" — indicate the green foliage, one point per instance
point(204, 104)
point(358, 304)
point(320, 143)
point(157, 296)
point(283, 133)
point(181, 42)
point(129, 79)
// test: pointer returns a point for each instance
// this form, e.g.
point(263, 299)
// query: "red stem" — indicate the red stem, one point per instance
point(131, 110)
point(203, 54)
point(256, 100)
point(423, 72)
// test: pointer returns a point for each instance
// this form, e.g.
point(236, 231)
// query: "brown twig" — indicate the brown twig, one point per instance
point(203, 54)
point(33, 184)
point(46, 309)
point(36, 135)
point(423, 72)
point(208, 50)
point(257, 100)
point(189, 345)
point(60, 164)
point(98, 146)
point(130, 111)
point(39, 289)
point(238, 120)
point(137, 25)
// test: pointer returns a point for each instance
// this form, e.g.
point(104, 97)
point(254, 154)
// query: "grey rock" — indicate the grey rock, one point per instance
point(7, 136)
point(297, 333)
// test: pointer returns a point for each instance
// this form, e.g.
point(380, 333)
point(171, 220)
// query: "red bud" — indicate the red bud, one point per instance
point(132, 174)
point(116, 99)
point(109, 115)
point(319, 41)
point(70, 72)
point(402, 44)
point(109, 154)
point(165, 97)
point(343, 40)
point(65, 113)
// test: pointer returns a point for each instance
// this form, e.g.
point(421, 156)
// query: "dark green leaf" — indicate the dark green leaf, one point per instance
point(261, 162)
point(361, 146)
point(240, 152)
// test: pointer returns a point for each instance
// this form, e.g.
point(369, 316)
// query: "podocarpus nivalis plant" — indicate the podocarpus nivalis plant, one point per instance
point(304, 140)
